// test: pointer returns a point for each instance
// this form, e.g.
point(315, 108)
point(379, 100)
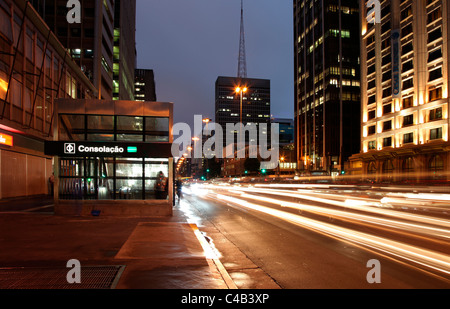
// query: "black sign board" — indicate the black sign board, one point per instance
point(108, 149)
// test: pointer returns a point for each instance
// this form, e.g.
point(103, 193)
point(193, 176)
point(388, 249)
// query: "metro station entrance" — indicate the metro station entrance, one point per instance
point(113, 156)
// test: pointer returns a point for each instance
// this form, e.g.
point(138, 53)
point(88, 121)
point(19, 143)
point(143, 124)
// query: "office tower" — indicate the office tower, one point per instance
point(103, 44)
point(35, 70)
point(242, 100)
point(286, 129)
point(404, 59)
point(327, 80)
point(124, 59)
point(144, 82)
point(255, 104)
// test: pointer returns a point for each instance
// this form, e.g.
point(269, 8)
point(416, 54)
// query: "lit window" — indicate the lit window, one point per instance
point(436, 133)
point(435, 114)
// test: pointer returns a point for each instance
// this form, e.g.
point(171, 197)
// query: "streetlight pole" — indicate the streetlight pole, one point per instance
point(194, 159)
point(241, 90)
point(279, 167)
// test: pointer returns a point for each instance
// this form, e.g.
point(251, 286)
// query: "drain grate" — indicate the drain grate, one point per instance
point(92, 277)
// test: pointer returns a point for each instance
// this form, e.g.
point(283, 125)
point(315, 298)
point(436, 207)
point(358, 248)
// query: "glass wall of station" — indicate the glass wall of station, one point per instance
point(82, 127)
point(113, 177)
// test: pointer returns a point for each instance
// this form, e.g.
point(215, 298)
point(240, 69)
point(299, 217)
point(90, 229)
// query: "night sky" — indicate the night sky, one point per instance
point(189, 43)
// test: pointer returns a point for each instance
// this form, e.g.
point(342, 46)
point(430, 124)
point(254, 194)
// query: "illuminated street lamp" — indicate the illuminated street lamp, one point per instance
point(279, 163)
point(240, 90)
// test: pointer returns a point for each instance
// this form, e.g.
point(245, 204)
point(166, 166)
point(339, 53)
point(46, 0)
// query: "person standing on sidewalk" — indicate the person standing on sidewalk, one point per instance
point(160, 186)
point(178, 185)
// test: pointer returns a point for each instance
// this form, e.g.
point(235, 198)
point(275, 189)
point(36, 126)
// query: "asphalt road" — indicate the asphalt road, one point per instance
point(295, 257)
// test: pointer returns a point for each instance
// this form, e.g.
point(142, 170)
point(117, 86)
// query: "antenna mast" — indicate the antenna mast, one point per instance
point(242, 65)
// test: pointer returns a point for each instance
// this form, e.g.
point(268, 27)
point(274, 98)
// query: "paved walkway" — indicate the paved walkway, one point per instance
point(158, 252)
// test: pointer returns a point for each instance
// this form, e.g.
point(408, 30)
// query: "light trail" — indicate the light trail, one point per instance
point(426, 258)
point(348, 203)
point(406, 226)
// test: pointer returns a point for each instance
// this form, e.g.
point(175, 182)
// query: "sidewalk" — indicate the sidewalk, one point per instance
point(156, 252)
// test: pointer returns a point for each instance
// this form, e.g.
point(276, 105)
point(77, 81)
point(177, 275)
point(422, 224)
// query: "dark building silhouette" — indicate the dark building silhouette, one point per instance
point(255, 103)
point(103, 44)
point(124, 50)
point(327, 83)
point(144, 82)
point(286, 129)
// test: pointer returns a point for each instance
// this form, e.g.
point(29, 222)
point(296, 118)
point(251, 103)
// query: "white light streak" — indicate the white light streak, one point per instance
point(427, 258)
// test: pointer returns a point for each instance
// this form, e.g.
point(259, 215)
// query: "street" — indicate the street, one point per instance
point(322, 236)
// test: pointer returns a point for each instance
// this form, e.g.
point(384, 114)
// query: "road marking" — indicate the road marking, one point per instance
point(210, 255)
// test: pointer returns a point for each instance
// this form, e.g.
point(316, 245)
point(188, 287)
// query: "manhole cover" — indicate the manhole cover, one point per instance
point(92, 277)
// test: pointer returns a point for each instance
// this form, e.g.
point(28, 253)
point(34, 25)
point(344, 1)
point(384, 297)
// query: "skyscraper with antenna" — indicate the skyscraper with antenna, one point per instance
point(242, 65)
point(251, 106)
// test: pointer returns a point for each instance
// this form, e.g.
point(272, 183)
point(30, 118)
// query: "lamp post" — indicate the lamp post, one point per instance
point(279, 167)
point(207, 151)
point(241, 90)
point(194, 161)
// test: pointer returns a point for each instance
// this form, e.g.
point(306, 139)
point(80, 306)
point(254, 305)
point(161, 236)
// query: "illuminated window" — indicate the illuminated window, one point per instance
point(408, 138)
point(435, 114)
point(408, 102)
point(435, 133)
point(435, 94)
point(408, 120)
point(387, 141)
point(408, 83)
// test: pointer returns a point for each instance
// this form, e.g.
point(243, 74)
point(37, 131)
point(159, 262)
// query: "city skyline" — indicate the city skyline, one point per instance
point(204, 44)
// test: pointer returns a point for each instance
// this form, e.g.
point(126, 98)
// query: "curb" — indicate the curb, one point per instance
point(211, 256)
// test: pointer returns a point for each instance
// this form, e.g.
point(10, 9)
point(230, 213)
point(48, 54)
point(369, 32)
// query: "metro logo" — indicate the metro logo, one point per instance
point(69, 148)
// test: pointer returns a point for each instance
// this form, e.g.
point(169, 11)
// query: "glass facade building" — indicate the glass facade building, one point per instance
point(327, 83)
